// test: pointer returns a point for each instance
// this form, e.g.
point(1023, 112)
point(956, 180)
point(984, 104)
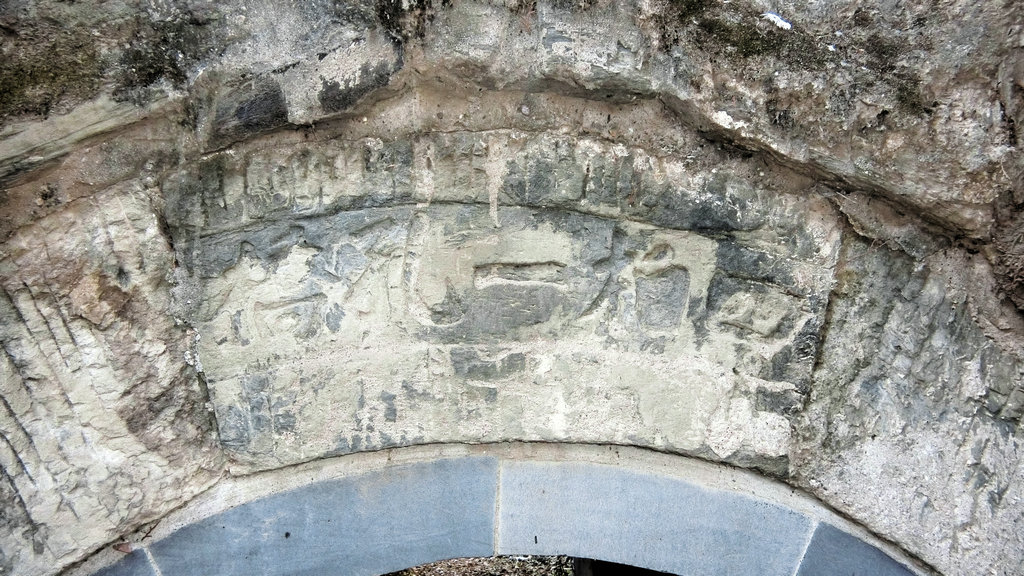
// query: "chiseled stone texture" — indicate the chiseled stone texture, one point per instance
point(104, 425)
point(262, 233)
point(914, 413)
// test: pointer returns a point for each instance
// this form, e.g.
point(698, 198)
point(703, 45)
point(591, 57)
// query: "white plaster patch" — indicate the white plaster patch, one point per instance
point(777, 20)
point(728, 122)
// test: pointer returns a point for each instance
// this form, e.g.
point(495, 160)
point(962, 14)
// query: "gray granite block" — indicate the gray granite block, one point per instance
point(833, 552)
point(134, 564)
point(659, 523)
point(369, 524)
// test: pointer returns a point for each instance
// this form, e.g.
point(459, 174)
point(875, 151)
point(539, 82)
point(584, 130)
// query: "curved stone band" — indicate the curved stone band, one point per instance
point(369, 514)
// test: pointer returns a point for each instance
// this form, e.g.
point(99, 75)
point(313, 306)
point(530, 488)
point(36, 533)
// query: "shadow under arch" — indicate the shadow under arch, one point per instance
point(374, 513)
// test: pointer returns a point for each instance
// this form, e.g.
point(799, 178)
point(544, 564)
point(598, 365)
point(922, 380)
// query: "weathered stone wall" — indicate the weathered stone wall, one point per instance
point(240, 236)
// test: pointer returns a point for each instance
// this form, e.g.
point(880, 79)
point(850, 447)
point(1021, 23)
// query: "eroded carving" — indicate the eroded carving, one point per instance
point(386, 300)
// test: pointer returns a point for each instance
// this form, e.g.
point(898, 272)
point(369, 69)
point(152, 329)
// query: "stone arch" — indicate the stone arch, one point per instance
point(369, 514)
point(692, 227)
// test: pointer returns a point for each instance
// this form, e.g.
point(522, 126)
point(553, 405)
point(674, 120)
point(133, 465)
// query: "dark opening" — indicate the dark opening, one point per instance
point(587, 567)
point(525, 566)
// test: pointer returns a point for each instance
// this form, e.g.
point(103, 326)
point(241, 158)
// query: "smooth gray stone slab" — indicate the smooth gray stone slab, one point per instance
point(369, 524)
point(134, 564)
point(659, 523)
point(833, 552)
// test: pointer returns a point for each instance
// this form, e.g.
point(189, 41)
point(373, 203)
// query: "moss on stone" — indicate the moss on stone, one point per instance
point(161, 51)
point(884, 52)
point(39, 73)
point(687, 9)
point(747, 40)
point(737, 34)
point(404, 21)
point(908, 94)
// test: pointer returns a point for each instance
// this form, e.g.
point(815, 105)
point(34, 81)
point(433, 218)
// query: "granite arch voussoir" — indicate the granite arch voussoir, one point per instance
point(369, 514)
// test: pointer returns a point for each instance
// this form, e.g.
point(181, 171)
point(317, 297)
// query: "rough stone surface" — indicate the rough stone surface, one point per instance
point(570, 298)
point(237, 236)
point(910, 389)
point(104, 426)
point(496, 566)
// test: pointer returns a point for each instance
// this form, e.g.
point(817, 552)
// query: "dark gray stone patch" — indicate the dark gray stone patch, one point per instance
point(256, 390)
point(742, 261)
point(467, 363)
point(833, 552)
point(217, 254)
point(800, 363)
point(195, 195)
point(662, 297)
point(255, 108)
point(284, 422)
point(517, 298)
point(786, 402)
point(234, 428)
point(722, 205)
point(498, 311)
point(664, 524)
point(608, 181)
point(338, 96)
point(236, 327)
point(390, 410)
point(334, 317)
point(370, 524)
point(134, 564)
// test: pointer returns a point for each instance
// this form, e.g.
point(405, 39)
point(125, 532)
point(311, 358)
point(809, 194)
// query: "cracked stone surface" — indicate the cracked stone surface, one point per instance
point(242, 235)
point(103, 424)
